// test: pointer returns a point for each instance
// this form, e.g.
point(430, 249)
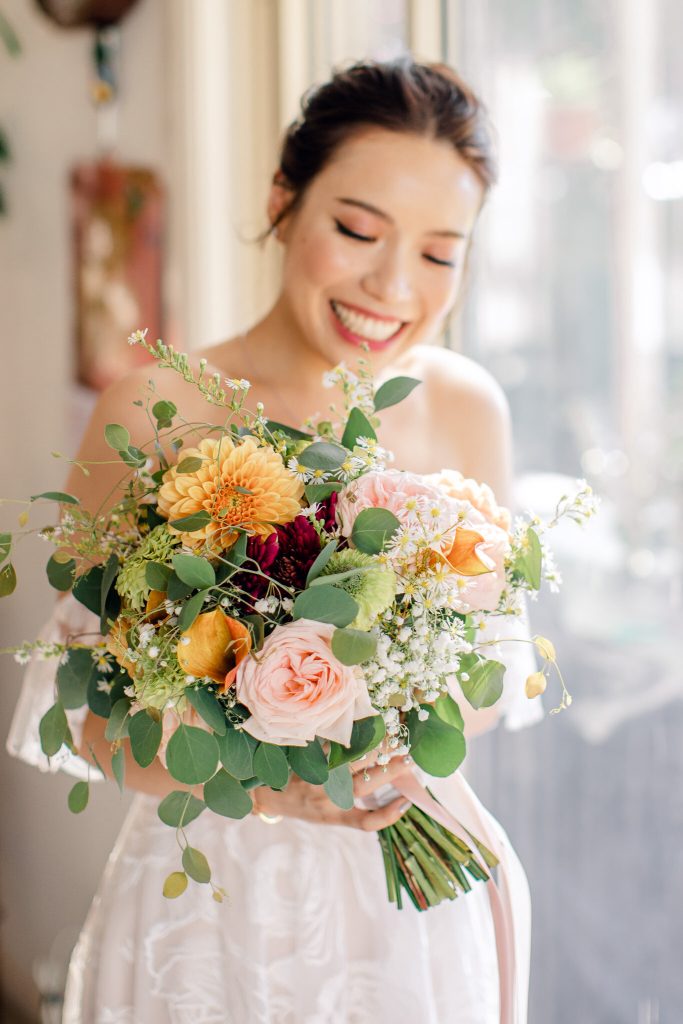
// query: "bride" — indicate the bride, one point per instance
point(374, 202)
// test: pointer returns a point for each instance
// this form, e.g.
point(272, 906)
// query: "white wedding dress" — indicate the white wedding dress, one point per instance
point(306, 934)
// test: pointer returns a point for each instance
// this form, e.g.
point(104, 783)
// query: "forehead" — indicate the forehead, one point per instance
point(405, 175)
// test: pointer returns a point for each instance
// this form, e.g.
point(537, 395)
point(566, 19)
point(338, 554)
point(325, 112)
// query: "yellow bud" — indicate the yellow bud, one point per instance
point(23, 518)
point(535, 685)
point(545, 647)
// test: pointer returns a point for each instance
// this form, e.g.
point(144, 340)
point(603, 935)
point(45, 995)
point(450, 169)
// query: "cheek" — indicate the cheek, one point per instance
point(319, 260)
point(444, 293)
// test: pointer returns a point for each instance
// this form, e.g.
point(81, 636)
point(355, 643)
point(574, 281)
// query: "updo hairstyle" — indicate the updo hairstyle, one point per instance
point(400, 95)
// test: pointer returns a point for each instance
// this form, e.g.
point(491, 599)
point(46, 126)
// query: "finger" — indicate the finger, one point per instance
point(368, 781)
point(373, 821)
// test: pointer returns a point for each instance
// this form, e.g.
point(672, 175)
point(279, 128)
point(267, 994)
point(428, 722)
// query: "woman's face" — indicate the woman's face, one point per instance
point(375, 253)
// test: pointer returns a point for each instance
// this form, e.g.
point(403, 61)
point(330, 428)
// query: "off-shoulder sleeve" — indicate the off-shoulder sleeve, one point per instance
point(38, 694)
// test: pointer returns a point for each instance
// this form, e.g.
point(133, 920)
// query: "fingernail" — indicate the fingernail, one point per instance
point(404, 806)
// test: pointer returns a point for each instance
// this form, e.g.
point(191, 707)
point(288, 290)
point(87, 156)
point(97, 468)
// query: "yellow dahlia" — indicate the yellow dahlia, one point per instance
point(244, 484)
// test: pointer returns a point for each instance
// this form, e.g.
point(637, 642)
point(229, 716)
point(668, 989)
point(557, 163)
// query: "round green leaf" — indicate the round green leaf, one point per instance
point(194, 571)
point(78, 797)
point(208, 707)
point(366, 734)
point(196, 865)
point(353, 646)
point(321, 561)
point(145, 737)
point(435, 747)
point(53, 729)
point(270, 765)
point(357, 425)
point(394, 391)
point(180, 808)
point(164, 412)
point(61, 574)
point(8, 580)
point(224, 795)
point(236, 751)
point(192, 522)
point(5, 545)
point(118, 767)
point(325, 604)
point(190, 610)
point(530, 562)
point(485, 683)
point(190, 464)
point(157, 575)
point(339, 787)
point(175, 885)
point(309, 763)
point(116, 436)
point(448, 711)
point(323, 455)
point(73, 677)
point(118, 721)
point(192, 755)
point(373, 528)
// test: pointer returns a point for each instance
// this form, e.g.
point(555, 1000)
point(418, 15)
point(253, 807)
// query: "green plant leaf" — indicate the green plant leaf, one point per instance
point(88, 589)
point(190, 464)
point(353, 646)
point(180, 808)
point(373, 528)
point(325, 604)
point(257, 628)
point(192, 755)
point(8, 580)
point(323, 455)
point(164, 412)
point(357, 425)
point(5, 545)
point(116, 436)
point(224, 795)
point(61, 496)
point(61, 574)
point(366, 734)
point(177, 590)
point(485, 683)
point(109, 574)
point(118, 721)
point(321, 561)
point(145, 737)
point(118, 767)
point(270, 765)
point(53, 729)
point(448, 711)
point(191, 610)
point(236, 751)
point(187, 524)
point(78, 797)
point(529, 563)
point(394, 391)
point(133, 457)
point(175, 885)
point(318, 492)
point(205, 703)
point(435, 746)
point(196, 865)
point(157, 576)
point(339, 787)
point(194, 571)
point(73, 677)
point(309, 763)
point(298, 435)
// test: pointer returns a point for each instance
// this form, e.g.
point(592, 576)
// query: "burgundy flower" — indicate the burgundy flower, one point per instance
point(326, 512)
point(299, 546)
point(262, 551)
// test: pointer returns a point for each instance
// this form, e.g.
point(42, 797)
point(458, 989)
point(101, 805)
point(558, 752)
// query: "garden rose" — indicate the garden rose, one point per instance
point(297, 689)
point(455, 485)
point(400, 492)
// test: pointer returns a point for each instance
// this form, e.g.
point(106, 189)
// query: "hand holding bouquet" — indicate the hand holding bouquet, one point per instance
point(276, 602)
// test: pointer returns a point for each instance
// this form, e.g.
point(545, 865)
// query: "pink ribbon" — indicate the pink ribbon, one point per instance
point(501, 907)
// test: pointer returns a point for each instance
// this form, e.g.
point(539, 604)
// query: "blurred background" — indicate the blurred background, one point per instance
point(135, 158)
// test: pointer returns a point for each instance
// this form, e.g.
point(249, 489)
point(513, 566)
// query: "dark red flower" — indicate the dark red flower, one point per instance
point(262, 551)
point(326, 512)
point(298, 548)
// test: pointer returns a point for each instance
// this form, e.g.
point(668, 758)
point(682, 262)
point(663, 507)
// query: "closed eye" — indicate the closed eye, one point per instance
point(352, 234)
point(441, 263)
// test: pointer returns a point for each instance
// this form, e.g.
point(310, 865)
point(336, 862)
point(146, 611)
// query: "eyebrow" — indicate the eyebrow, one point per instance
point(385, 216)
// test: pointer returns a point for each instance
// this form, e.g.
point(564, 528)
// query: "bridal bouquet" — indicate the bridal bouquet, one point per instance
point(275, 601)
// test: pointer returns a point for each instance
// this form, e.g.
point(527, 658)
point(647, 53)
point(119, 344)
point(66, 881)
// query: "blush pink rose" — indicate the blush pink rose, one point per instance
point(455, 485)
point(392, 489)
point(298, 689)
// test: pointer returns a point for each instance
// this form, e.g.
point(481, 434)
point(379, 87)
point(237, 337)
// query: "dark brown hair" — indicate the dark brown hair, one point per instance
point(400, 95)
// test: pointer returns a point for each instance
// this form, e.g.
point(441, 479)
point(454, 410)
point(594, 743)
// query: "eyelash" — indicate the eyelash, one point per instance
point(343, 230)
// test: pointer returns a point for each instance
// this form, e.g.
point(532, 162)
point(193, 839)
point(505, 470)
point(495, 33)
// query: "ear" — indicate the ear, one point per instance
point(279, 198)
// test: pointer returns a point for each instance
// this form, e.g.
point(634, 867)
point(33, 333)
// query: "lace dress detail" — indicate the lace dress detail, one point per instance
point(306, 934)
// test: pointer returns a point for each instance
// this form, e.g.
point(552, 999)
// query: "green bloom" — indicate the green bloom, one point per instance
point(158, 546)
point(373, 589)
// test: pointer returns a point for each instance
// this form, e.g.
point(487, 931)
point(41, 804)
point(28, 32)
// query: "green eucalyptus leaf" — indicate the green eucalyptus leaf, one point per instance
point(321, 561)
point(357, 425)
point(325, 604)
point(195, 521)
point(73, 677)
point(194, 571)
point(529, 563)
point(339, 787)
point(176, 589)
point(323, 455)
point(8, 580)
point(485, 683)
point(394, 391)
point(53, 729)
point(309, 763)
point(88, 589)
point(145, 737)
point(366, 734)
point(373, 528)
point(179, 808)
point(208, 707)
point(298, 435)
point(190, 464)
point(224, 795)
point(61, 496)
point(118, 767)
point(117, 724)
point(192, 755)
point(435, 746)
point(448, 711)
point(109, 574)
point(191, 610)
point(78, 797)
point(319, 492)
point(164, 412)
point(61, 574)
point(196, 865)
point(116, 436)
point(270, 765)
point(353, 646)
point(5, 545)
point(237, 554)
point(157, 576)
point(236, 750)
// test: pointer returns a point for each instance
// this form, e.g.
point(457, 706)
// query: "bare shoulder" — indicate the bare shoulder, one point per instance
point(456, 384)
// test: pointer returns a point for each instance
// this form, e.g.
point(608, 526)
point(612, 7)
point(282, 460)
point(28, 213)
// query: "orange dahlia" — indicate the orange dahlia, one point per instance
point(244, 484)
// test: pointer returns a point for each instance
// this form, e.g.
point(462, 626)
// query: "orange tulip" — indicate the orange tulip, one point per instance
point(217, 644)
point(462, 557)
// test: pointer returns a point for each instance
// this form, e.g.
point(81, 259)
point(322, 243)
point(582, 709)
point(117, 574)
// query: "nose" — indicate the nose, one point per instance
point(389, 279)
